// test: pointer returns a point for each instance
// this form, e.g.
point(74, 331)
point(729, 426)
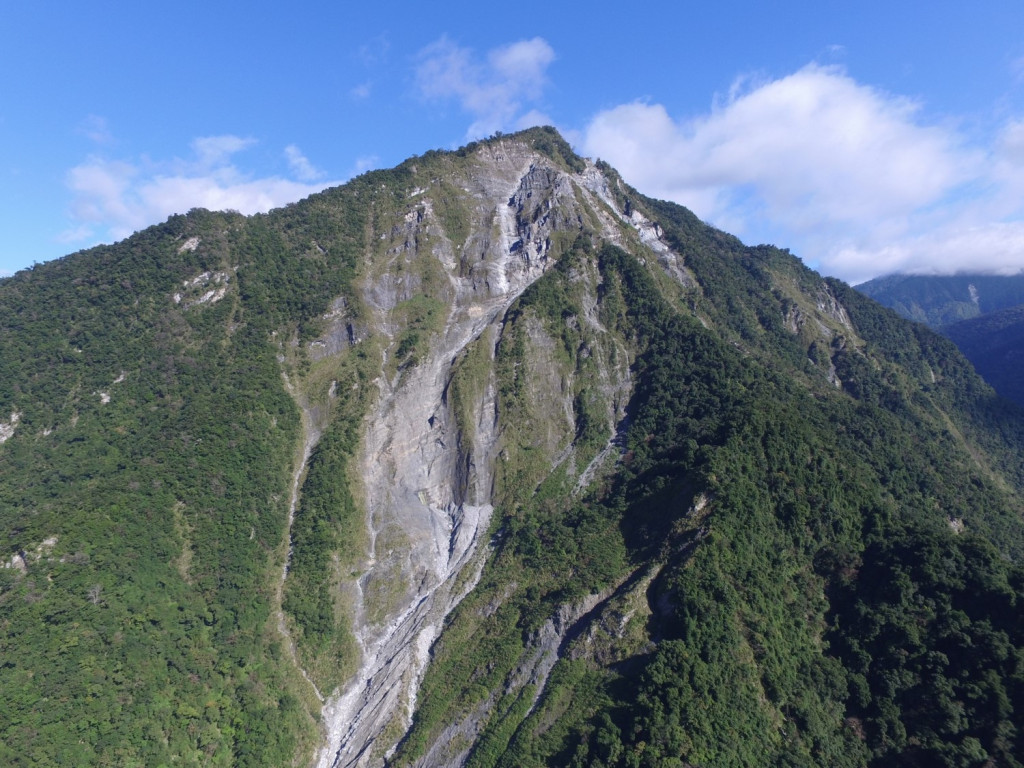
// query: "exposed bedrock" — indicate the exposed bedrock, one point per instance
point(427, 466)
point(427, 482)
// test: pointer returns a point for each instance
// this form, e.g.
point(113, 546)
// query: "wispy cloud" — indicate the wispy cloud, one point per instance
point(299, 164)
point(532, 119)
point(853, 177)
point(961, 246)
point(95, 129)
point(215, 151)
point(111, 198)
point(493, 91)
point(374, 51)
point(1017, 68)
point(364, 164)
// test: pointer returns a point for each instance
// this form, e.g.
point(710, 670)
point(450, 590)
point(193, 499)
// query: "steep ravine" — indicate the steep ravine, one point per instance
point(310, 437)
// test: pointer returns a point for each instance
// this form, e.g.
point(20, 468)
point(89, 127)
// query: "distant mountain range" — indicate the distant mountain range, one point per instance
point(940, 300)
point(982, 314)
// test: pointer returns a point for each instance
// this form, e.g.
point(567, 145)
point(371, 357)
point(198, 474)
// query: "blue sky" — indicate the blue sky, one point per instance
point(866, 137)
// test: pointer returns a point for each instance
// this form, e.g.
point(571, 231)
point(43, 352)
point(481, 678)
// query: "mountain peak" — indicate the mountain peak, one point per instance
point(488, 459)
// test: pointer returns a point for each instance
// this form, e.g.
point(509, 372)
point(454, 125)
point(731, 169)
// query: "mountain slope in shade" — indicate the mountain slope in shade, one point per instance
point(490, 460)
point(994, 343)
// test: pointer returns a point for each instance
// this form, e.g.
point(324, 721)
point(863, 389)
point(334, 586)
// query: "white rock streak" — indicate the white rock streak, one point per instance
point(7, 427)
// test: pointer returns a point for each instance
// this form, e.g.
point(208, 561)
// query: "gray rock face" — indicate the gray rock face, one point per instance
point(427, 479)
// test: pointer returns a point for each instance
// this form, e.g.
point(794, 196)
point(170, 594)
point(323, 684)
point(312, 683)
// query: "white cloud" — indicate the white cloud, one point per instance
point(300, 166)
point(101, 188)
point(113, 198)
point(364, 164)
point(1008, 158)
point(493, 92)
point(997, 248)
point(76, 234)
point(850, 176)
point(532, 119)
point(361, 91)
point(524, 64)
point(213, 151)
point(815, 145)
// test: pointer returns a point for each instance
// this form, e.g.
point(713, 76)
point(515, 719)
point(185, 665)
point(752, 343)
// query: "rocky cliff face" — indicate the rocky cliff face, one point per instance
point(428, 453)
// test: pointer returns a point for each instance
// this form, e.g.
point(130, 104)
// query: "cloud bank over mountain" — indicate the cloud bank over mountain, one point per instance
point(856, 180)
point(859, 181)
point(113, 198)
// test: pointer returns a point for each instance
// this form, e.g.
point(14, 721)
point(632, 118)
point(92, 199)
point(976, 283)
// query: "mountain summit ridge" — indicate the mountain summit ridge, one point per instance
point(555, 474)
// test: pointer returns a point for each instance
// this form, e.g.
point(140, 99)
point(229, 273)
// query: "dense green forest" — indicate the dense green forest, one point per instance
point(797, 540)
point(138, 636)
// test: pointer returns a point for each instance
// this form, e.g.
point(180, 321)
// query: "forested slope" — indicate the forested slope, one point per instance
point(735, 514)
point(938, 300)
point(994, 343)
point(982, 314)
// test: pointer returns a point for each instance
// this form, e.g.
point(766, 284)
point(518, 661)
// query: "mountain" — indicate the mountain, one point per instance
point(939, 300)
point(994, 343)
point(982, 314)
point(490, 460)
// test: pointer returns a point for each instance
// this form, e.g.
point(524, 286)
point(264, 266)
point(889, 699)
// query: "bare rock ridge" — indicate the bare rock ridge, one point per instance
point(427, 478)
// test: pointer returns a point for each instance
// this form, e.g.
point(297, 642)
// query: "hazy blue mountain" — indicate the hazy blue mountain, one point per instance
point(938, 300)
